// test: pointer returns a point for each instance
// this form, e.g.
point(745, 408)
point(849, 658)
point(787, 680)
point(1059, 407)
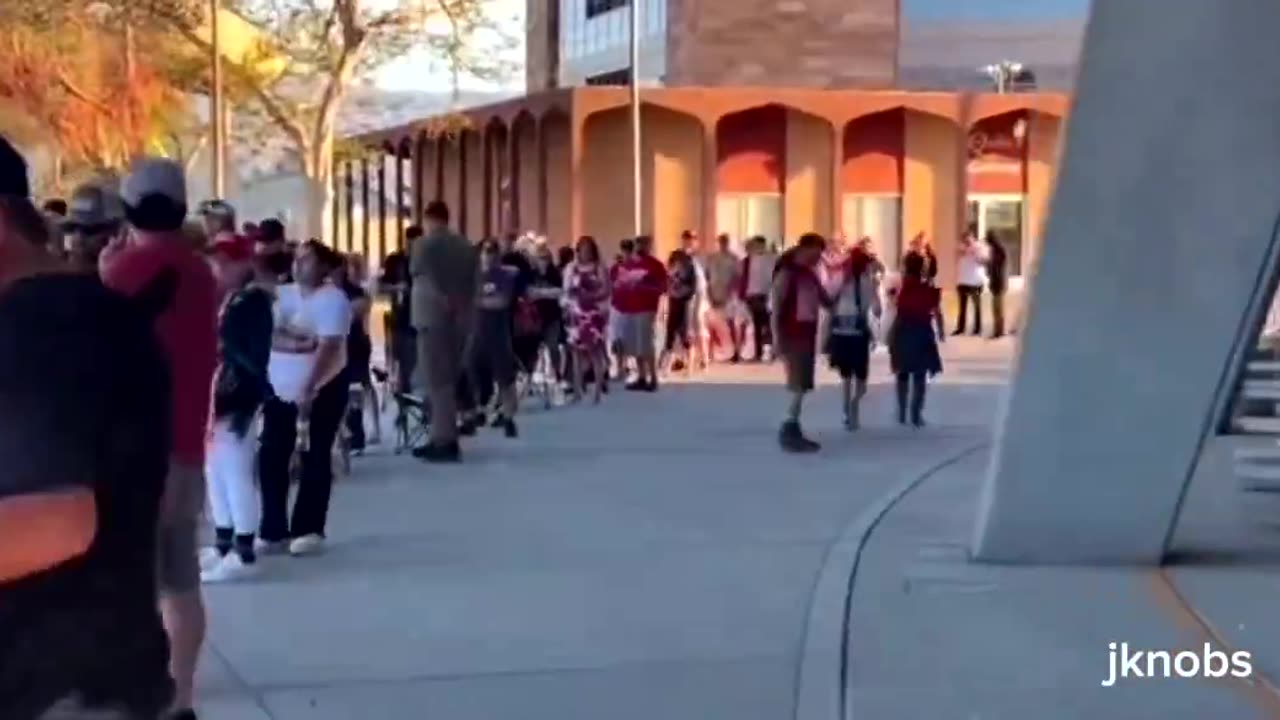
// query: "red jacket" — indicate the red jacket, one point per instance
point(917, 300)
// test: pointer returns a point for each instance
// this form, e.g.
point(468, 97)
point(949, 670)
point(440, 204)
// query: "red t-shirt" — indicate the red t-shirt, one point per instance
point(188, 331)
point(643, 280)
point(619, 296)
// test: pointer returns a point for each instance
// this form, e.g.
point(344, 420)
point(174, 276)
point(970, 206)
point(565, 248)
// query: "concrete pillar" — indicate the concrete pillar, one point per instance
point(349, 209)
point(836, 191)
point(402, 149)
point(380, 251)
point(365, 212)
point(710, 180)
point(1162, 230)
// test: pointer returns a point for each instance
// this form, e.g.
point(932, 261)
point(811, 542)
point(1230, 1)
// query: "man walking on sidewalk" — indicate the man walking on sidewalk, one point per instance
point(798, 296)
point(444, 268)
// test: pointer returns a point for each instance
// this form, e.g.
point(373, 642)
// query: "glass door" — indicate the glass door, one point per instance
point(878, 217)
point(1005, 215)
point(743, 215)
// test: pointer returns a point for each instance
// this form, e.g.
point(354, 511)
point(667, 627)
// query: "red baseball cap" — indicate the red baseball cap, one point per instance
point(232, 246)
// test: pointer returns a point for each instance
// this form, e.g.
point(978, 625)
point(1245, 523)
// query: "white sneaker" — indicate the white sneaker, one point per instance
point(268, 547)
point(231, 568)
point(306, 545)
point(209, 557)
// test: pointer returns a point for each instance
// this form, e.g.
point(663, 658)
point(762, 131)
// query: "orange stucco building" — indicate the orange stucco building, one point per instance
point(770, 161)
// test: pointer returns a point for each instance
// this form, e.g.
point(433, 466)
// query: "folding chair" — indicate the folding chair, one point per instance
point(412, 422)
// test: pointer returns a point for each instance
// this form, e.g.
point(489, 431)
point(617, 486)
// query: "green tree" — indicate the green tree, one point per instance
point(309, 52)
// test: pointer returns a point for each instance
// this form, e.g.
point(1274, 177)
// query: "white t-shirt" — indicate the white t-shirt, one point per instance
point(972, 270)
point(322, 313)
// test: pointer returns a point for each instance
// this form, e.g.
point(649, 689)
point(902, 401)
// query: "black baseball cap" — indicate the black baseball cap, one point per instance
point(13, 171)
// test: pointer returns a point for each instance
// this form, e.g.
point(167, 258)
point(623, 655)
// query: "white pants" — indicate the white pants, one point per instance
point(229, 473)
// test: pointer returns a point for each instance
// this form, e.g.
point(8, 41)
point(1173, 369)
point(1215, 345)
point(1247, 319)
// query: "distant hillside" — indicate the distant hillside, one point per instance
point(941, 55)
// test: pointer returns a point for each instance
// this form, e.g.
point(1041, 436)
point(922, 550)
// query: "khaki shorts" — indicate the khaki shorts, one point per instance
point(440, 350)
point(177, 554)
point(636, 334)
point(800, 369)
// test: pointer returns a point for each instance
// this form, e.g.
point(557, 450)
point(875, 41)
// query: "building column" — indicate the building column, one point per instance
point(335, 212)
point(513, 218)
point(348, 182)
point(1137, 332)
point(543, 172)
point(837, 178)
point(364, 205)
point(488, 161)
point(461, 207)
point(398, 242)
point(577, 140)
point(417, 172)
point(380, 250)
point(710, 180)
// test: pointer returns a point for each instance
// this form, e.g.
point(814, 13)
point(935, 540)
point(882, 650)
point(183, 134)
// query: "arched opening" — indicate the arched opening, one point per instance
point(672, 184)
point(525, 174)
point(872, 177)
point(751, 157)
point(996, 157)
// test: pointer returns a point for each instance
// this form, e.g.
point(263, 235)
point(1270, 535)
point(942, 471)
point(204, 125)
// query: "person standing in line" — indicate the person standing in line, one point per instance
point(154, 195)
point(587, 294)
point(621, 297)
point(94, 219)
point(547, 291)
point(798, 298)
point(997, 281)
point(645, 278)
point(913, 345)
point(395, 284)
point(755, 280)
point(444, 268)
point(971, 276)
point(723, 311)
point(856, 303)
point(491, 352)
point(349, 277)
point(85, 447)
point(217, 217)
point(307, 369)
point(696, 327)
point(681, 292)
point(241, 387)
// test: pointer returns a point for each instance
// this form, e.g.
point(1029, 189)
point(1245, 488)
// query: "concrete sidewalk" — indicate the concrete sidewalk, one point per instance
point(932, 635)
point(654, 557)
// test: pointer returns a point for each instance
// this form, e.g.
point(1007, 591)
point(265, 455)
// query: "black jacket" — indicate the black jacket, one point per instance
point(241, 384)
point(997, 267)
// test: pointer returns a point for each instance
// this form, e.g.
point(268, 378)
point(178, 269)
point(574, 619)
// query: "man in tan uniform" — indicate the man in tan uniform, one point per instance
point(444, 267)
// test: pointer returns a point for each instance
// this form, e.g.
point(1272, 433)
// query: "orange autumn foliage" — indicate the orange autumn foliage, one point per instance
point(95, 100)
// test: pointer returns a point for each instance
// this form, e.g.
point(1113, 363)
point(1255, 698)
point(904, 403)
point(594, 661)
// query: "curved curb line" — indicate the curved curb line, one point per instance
point(820, 678)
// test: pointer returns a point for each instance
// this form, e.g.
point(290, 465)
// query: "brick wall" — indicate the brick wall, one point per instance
point(807, 43)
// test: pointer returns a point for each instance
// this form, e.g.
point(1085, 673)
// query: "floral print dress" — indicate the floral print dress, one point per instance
point(587, 297)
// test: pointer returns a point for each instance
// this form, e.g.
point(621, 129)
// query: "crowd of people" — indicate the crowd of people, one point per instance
point(155, 375)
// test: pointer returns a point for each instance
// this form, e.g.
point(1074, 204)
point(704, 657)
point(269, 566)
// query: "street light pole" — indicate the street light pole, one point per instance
point(215, 101)
point(637, 170)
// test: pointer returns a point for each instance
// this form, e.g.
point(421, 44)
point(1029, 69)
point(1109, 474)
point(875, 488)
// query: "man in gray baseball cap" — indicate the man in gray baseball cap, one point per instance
point(95, 216)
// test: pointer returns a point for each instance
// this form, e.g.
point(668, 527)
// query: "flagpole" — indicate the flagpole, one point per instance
point(637, 170)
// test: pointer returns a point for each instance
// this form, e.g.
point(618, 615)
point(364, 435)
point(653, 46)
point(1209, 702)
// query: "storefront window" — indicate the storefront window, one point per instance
point(743, 215)
point(1003, 215)
point(878, 217)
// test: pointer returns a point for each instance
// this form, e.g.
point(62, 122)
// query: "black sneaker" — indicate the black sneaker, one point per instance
point(637, 386)
point(187, 714)
point(509, 428)
point(433, 453)
point(735, 359)
point(498, 421)
point(467, 428)
point(793, 440)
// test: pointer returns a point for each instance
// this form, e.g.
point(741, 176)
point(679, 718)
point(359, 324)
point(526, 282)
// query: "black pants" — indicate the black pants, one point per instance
point(315, 483)
point(404, 350)
point(911, 392)
point(997, 313)
point(677, 324)
point(969, 294)
point(758, 307)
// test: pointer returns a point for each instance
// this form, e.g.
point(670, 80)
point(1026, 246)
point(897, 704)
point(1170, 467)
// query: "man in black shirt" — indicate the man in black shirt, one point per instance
point(84, 443)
